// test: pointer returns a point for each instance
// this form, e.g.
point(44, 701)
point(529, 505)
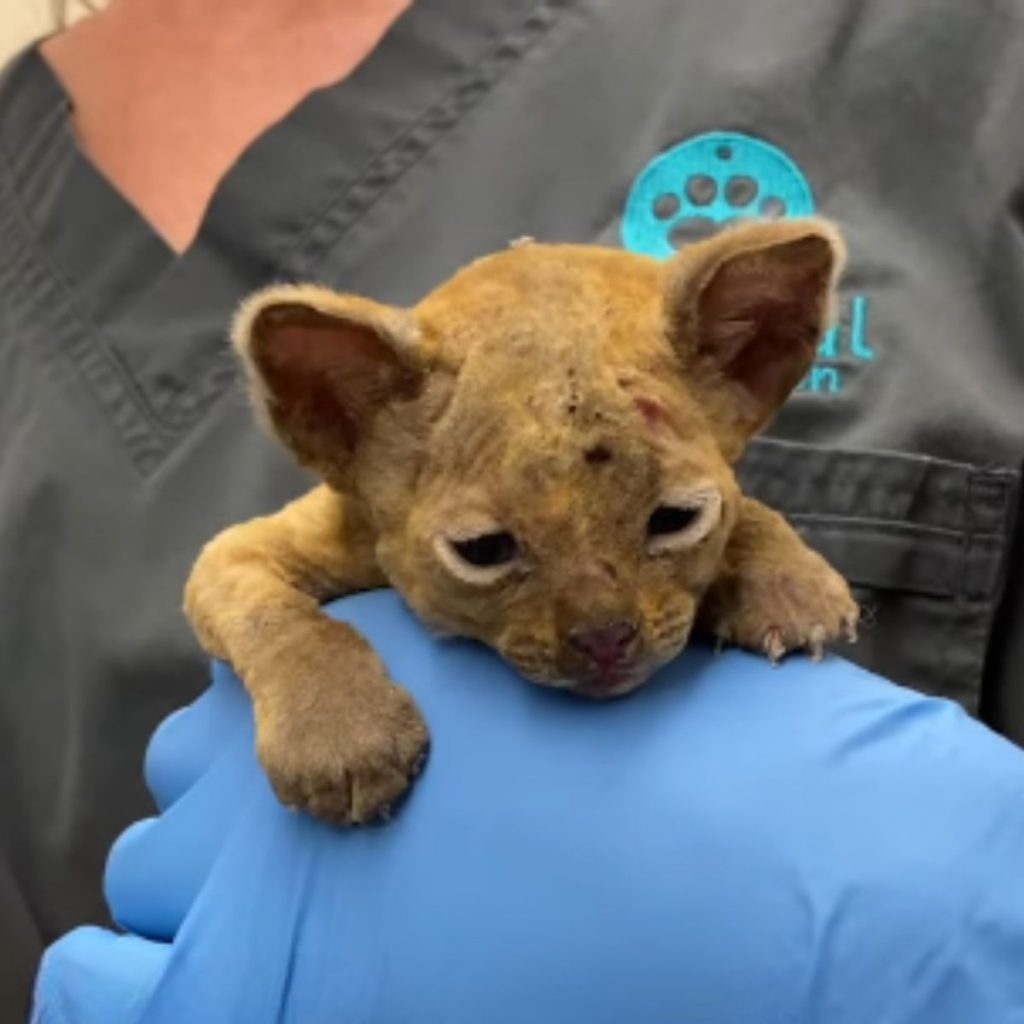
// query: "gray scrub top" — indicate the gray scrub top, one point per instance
point(125, 440)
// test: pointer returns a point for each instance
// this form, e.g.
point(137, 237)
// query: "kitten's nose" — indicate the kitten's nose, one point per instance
point(604, 645)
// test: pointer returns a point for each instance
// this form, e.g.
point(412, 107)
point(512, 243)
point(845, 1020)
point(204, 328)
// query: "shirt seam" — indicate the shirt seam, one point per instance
point(333, 220)
point(86, 342)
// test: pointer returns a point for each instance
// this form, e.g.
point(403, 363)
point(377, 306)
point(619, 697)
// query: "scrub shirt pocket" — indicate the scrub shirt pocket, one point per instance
point(922, 541)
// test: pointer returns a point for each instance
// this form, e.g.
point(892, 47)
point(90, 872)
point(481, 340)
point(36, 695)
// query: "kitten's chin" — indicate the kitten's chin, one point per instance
point(599, 686)
point(606, 689)
point(598, 683)
point(614, 681)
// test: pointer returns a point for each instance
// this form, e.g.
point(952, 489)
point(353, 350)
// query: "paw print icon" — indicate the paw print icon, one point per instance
point(690, 191)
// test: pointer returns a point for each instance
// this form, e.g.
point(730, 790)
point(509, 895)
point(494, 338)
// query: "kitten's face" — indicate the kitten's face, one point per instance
point(543, 445)
point(571, 503)
point(568, 515)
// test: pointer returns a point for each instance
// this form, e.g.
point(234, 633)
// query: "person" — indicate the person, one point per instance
point(162, 159)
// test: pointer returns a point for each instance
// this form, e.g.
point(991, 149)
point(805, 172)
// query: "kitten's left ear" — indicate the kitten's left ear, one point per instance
point(746, 311)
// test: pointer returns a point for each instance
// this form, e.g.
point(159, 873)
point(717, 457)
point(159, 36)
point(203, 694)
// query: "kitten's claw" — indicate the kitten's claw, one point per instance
point(774, 647)
point(719, 644)
point(816, 642)
point(850, 629)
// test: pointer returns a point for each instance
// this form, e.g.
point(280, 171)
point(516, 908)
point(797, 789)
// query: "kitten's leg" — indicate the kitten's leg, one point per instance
point(333, 732)
point(774, 593)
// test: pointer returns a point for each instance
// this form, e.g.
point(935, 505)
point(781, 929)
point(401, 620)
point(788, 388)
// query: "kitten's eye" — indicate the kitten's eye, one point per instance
point(480, 559)
point(668, 519)
point(684, 521)
point(488, 551)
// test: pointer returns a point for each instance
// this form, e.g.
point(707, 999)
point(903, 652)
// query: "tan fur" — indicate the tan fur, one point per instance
point(560, 394)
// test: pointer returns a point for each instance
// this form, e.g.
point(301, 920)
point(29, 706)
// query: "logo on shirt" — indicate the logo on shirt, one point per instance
point(690, 191)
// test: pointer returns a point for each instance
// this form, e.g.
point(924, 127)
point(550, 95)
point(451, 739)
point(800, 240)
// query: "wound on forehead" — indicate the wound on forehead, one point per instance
point(652, 411)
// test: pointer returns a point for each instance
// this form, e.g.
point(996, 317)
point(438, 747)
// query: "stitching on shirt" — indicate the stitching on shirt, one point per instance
point(147, 448)
point(342, 212)
point(967, 540)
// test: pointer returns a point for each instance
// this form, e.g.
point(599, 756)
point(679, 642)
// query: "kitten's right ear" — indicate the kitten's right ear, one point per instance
point(322, 365)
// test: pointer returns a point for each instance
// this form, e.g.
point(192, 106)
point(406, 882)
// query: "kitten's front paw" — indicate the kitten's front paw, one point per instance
point(779, 606)
point(336, 736)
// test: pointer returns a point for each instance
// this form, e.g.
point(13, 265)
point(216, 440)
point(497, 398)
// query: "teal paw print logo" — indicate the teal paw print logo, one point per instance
point(690, 191)
point(704, 183)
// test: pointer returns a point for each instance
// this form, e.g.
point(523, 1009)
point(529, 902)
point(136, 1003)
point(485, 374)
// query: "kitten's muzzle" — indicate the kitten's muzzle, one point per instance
point(604, 658)
point(607, 646)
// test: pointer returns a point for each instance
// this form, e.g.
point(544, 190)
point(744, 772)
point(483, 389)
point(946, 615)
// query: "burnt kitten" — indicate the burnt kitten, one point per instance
point(538, 456)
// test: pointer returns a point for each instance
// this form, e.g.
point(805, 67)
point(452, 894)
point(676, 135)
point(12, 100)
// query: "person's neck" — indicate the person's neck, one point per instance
point(168, 93)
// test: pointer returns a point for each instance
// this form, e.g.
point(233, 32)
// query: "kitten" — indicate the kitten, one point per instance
point(539, 456)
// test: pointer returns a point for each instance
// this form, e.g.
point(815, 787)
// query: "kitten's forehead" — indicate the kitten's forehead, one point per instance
point(561, 356)
point(536, 299)
point(558, 439)
point(553, 383)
